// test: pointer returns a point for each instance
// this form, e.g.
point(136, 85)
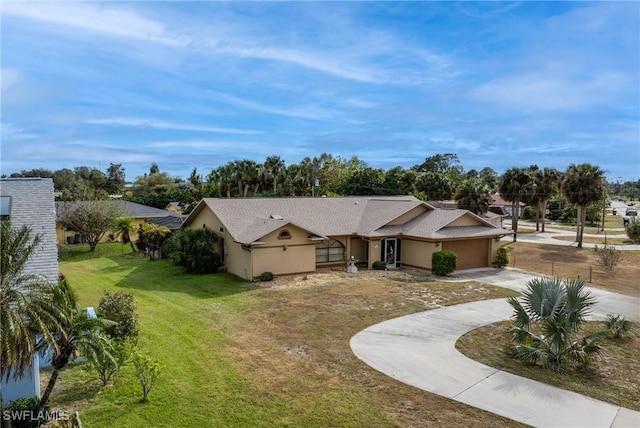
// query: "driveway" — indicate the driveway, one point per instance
point(419, 350)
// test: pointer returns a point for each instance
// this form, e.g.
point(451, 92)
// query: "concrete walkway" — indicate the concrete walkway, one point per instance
point(419, 350)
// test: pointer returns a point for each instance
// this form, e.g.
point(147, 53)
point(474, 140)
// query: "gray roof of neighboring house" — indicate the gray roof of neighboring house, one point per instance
point(129, 209)
point(173, 222)
point(248, 219)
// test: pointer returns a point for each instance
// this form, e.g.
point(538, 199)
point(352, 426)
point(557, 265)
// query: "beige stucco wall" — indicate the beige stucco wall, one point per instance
point(296, 259)
point(417, 253)
point(465, 220)
point(62, 233)
point(357, 248)
point(375, 246)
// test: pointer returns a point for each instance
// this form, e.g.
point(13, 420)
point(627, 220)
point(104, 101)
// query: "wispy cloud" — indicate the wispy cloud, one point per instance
point(98, 18)
point(158, 124)
point(12, 132)
point(306, 112)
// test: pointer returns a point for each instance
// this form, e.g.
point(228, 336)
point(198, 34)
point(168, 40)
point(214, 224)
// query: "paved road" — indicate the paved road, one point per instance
point(419, 350)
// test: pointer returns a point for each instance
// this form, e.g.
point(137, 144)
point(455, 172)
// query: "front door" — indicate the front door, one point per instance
point(390, 252)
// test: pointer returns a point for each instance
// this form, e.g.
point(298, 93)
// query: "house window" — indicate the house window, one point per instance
point(5, 207)
point(329, 251)
point(285, 234)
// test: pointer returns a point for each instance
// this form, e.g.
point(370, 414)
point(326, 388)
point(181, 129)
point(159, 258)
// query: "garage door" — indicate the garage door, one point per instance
point(471, 254)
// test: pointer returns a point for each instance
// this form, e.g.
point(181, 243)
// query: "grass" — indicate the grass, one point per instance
point(568, 262)
point(614, 378)
point(237, 354)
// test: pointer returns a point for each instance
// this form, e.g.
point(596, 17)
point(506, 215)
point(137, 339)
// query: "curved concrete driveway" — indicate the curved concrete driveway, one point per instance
point(419, 350)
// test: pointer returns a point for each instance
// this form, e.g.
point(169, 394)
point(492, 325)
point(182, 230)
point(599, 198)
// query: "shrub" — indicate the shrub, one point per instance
point(266, 276)
point(608, 256)
point(618, 325)
point(108, 367)
point(21, 411)
point(194, 250)
point(444, 262)
point(633, 230)
point(379, 265)
point(502, 257)
point(147, 369)
point(121, 308)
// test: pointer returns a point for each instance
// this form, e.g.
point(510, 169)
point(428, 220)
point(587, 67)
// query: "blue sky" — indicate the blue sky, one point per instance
point(199, 84)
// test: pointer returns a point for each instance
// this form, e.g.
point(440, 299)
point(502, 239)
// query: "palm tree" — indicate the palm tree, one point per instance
point(125, 227)
point(582, 185)
point(513, 187)
point(27, 303)
point(546, 320)
point(546, 182)
point(275, 166)
point(79, 335)
point(474, 196)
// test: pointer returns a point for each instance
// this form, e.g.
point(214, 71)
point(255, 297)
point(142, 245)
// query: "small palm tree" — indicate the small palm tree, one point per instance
point(546, 320)
point(125, 228)
point(474, 196)
point(583, 185)
point(27, 302)
point(79, 335)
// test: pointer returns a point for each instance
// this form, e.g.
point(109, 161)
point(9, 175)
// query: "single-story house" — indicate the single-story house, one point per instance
point(140, 214)
point(29, 201)
point(493, 215)
point(498, 202)
point(298, 235)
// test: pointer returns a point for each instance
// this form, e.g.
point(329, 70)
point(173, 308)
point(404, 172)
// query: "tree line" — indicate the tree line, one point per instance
point(581, 189)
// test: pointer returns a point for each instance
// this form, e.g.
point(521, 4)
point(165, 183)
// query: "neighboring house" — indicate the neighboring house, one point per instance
point(174, 207)
point(298, 235)
point(498, 203)
point(29, 201)
point(493, 216)
point(140, 214)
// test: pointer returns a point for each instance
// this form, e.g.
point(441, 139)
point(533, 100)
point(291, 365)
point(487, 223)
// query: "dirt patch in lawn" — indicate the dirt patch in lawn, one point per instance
point(569, 262)
point(298, 344)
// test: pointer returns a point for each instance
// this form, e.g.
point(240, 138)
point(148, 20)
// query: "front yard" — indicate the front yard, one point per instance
point(274, 354)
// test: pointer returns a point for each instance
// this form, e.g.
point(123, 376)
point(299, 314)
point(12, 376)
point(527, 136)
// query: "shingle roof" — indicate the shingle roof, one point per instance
point(129, 209)
point(248, 219)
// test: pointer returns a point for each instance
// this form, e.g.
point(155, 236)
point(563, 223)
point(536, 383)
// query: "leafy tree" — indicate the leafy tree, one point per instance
point(474, 196)
point(115, 178)
point(440, 163)
point(633, 230)
point(64, 179)
point(365, 181)
point(435, 186)
point(392, 181)
point(121, 308)
point(194, 249)
point(78, 335)
point(92, 219)
point(408, 182)
point(547, 319)
point(148, 369)
point(195, 179)
point(582, 185)
point(514, 186)
point(490, 178)
point(27, 302)
point(124, 228)
point(154, 169)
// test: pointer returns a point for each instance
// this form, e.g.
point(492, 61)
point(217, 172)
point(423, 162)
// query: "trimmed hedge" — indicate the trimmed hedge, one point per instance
point(379, 265)
point(444, 262)
point(502, 257)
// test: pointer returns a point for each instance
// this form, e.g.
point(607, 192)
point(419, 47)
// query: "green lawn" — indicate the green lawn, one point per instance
point(241, 355)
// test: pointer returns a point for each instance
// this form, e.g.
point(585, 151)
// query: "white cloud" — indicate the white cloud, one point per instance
point(95, 18)
point(12, 132)
point(305, 112)
point(158, 124)
point(9, 77)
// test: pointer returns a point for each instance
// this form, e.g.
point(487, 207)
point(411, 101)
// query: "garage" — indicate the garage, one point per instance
point(471, 253)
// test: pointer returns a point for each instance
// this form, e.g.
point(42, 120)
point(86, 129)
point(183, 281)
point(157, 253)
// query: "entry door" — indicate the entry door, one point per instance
point(391, 252)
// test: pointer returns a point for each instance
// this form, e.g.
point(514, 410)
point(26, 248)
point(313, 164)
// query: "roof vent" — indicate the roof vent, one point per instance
point(276, 217)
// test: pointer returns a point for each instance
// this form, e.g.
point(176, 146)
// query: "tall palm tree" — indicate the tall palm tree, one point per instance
point(582, 185)
point(79, 335)
point(27, 302)
point(546, 320)
point(514, 185)
point(473, 195)
point(546, 183)
point(275, 165)
point(124, 228)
